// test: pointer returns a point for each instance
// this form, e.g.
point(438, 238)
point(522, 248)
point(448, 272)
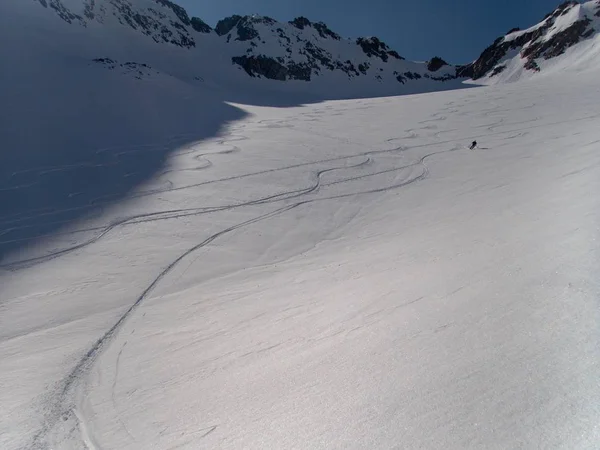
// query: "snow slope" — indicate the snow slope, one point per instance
point(97, 94)
point(194, 258)
point(566, 40)
point(317, 278)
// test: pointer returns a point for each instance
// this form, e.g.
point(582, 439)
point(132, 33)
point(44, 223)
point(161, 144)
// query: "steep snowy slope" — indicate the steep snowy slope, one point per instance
point(315, 278)
point(567, 39)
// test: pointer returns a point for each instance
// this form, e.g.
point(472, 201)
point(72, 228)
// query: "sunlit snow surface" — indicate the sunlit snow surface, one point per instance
point(337, 275)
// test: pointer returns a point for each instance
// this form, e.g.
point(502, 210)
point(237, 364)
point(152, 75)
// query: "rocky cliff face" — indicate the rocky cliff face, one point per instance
point(568, 25)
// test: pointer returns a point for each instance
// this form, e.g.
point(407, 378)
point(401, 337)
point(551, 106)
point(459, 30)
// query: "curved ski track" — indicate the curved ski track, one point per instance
point(98, 203)
point(62, 407)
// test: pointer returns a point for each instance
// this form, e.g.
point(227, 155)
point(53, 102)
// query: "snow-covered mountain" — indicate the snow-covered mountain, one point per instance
point(260, 47)
point(138, 37)
point(302, 50)
point(566, 39)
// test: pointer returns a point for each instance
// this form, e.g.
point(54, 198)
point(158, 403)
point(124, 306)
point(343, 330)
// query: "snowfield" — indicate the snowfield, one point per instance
point(344, 274)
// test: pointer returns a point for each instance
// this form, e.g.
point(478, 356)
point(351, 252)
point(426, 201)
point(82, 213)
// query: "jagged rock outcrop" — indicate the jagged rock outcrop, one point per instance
point(302, 22)
point(563, 28)
point(373, 47)
point(435, 64)
point(200, 26)
point(272, 69)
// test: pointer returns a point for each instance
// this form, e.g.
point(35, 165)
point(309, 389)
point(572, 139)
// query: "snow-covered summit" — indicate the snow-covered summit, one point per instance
point(303, 50)
point(567, 38)
point(162, 20)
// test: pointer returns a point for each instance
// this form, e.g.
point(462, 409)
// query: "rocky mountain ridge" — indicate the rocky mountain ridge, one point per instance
point(260, 46)
point(302, 50)
point(570, 24)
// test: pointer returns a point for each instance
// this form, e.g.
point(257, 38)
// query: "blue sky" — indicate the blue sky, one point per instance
point(456, 30)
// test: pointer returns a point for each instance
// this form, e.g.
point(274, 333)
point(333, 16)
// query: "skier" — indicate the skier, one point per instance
point(473, 145)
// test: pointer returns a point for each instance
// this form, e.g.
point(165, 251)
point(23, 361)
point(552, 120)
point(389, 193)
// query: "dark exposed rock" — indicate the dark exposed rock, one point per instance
point(104, 60)
point(43, 3)
point(89, 9)
point(301, 22)
point(178, 10)
point(299, 71)
point(557, 45)
point(245, 32)
point(63, 12)
point(348, 68)
point(564, 7)
point(514, 30)
point(561, 9)
point(532, 65)
point(466, 71)
point(412, 75)
point(363, 67)
point(498, 70)
point(374, 47)
point(283, 36)
point(262, 19)
point(272, 69)
point(244, 26)
point(444, 78)
point(134, 64)
point(224, 26)
point(137, 70)
point(178, 25)
point(435, 64)
point(199, 25)
point(325, 32)
point(400, 78)
point(261, 66)
point(318, 54)
point(394, 54)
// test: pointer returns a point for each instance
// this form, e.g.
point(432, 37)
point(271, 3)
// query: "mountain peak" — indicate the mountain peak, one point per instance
point(305, 50)
point(436, 63)
point(524, 52)
point(324, 31)
point(372, 46)
point(254, 45)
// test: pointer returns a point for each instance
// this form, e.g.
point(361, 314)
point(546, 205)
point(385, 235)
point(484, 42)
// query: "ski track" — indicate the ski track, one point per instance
point(63, 407)
point(102, 202)
point(525, 126)
point(179, 213)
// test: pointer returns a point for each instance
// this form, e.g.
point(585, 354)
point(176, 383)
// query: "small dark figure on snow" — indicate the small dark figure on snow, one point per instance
point(473, 145)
